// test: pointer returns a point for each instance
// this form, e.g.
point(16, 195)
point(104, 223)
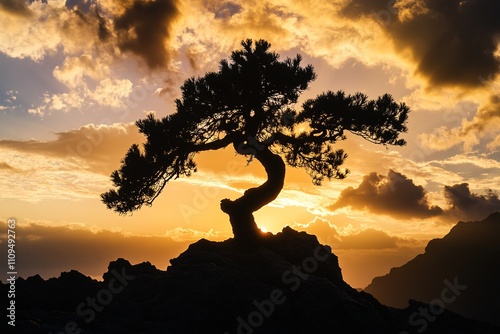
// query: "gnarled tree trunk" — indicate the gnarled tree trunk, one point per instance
point(241, 210)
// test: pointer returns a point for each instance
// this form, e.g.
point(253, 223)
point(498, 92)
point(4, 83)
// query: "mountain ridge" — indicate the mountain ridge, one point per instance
point(289, 283)
point(469, 254)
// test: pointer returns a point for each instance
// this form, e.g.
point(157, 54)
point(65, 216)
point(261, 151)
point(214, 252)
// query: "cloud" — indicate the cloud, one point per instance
point(466, 205)
point(51, 25)
point(54, 28)
point(209, 30)
point(314, 27)
point(143, 28)
point(369, 239)
point(494, 144)
point(90, 84)
point(6, 166)
point(181, 234)
point(89, 39)
point(76, 164)
point(15, 7)
point(167, 33)
point(439, 36)
point(37, 177)
point(100, 147)
point(366, 238)
point(223, 9)
point(485, 124)
point(48, 250)
point(482, 170)
point(397, 196)
point(325, 231)
point(75, 70)
point(394, 195)
point(112, 92)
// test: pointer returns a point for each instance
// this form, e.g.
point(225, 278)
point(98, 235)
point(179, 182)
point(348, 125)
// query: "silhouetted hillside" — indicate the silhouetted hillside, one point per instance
point(287, 284)
point(460, 271)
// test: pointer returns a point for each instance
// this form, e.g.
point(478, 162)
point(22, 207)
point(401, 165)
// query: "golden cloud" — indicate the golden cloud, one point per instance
point(349, 238)
point(60, 27)
point(209, 30)
point(484, 125)
point(76, 164)
point(100, 147)
point(180, 234)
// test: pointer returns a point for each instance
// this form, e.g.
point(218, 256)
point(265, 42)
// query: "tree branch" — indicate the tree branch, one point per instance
point(213, 145)
point(284, 139)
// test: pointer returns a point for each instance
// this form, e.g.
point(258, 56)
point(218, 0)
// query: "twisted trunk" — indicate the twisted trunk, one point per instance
point(241, 210)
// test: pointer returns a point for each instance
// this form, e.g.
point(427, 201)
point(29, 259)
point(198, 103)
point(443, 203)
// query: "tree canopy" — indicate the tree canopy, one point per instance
point(251, 104)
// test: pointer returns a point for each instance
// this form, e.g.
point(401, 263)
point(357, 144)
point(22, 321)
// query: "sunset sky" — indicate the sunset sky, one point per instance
point(75, 75)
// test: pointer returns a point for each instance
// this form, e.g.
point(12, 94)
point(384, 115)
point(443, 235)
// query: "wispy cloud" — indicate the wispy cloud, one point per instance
point(76, 164)
point(100, 147)
point(350, 238)
point(469, 133)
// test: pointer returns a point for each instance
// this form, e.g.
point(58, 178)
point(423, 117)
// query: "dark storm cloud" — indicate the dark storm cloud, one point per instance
point(452, 41)
point(15, 7)
point(394, 195)
point(397, 196)
point(102, 31)
point(143, 29)
point(465, 205)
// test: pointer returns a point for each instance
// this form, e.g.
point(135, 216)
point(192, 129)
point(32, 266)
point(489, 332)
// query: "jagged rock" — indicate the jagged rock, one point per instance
point(287, 283)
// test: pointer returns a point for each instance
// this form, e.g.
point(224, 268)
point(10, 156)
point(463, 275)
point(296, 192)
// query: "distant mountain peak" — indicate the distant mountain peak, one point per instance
point(469, 254)
point(493, 218)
